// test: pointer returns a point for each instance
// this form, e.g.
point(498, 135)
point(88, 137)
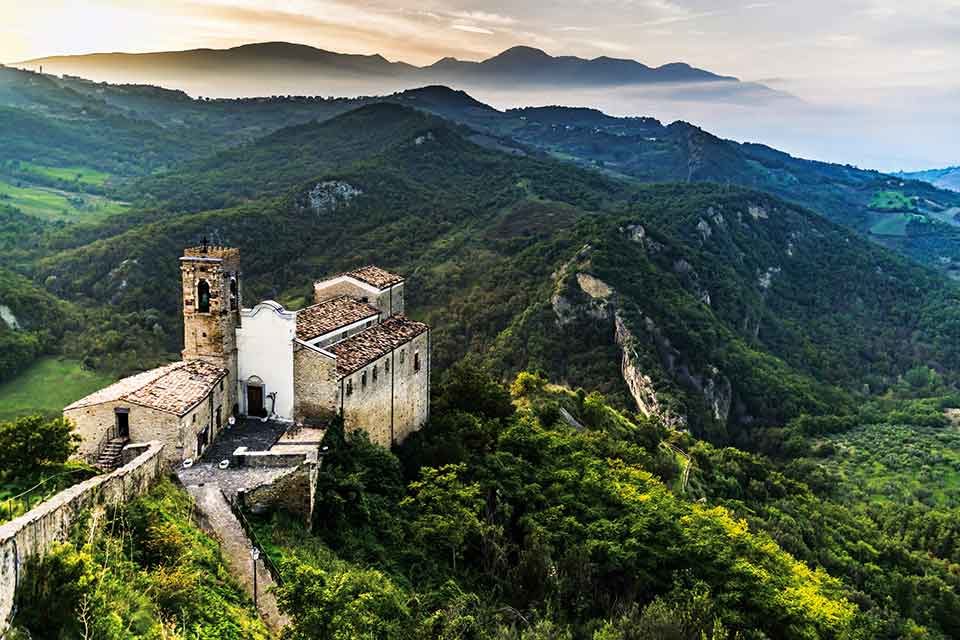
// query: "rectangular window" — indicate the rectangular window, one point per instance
point(416, 361)
point(363, 380)
point(403, 355)
point(221, 384)
point(375, 372)
point(386, 365)
point(349, 387)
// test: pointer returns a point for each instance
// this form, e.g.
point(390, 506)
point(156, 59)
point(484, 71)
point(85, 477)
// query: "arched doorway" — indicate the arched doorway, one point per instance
point(255, 397)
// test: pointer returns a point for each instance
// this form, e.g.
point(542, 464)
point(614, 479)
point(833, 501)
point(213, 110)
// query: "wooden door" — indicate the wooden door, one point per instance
point(254, 401)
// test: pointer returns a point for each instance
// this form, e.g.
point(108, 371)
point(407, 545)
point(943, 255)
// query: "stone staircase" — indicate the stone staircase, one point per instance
point(111, 455)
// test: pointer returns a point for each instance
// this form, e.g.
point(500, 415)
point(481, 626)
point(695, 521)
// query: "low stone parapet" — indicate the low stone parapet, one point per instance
point(273, 458)
point(32, 534)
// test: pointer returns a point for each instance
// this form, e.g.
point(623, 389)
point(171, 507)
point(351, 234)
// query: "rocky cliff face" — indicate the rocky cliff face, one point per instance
point(581, 296)
point(641, 386)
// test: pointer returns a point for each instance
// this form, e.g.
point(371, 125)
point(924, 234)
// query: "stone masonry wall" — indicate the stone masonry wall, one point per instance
point(389, 302)
point(294, 492)
point(316, 387)
point(94, 423)
point(412, 389)
point(399, 398)
point(32, 534)
point(179, 435)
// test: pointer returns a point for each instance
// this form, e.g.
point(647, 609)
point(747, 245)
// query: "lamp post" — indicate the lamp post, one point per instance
point(255, 555)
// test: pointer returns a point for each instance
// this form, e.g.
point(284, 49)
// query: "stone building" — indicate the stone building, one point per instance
point(352, 353)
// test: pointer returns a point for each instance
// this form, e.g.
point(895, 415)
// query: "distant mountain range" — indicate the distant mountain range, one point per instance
point(948, 178)
point(283, 68)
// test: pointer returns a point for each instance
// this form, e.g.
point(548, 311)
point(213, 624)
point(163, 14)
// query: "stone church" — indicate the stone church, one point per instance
point(352, 353)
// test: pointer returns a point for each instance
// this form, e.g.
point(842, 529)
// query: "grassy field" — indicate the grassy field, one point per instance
point(891, 201)
point(54, 204)
point(949, 216)
point(46, 387)
point(17, 496)
point(71, 174)
point(899, 464)
point(893, 224)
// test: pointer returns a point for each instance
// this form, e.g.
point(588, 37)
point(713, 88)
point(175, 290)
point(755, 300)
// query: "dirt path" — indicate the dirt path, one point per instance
point(235, 547)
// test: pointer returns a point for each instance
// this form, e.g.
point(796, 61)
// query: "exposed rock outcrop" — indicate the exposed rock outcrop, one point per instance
point(329, 196)
point(8, 318)
point(581, 296)
point(641, 386)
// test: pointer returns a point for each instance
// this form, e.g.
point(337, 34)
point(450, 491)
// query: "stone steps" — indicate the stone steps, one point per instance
point(111, 456)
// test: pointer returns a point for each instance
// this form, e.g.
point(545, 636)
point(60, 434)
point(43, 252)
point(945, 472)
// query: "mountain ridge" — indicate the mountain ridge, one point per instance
point(524, 64)
point(946, 178)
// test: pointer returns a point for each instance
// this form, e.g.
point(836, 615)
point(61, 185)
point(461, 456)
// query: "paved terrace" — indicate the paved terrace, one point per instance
point(252, 434)
point(212, 487)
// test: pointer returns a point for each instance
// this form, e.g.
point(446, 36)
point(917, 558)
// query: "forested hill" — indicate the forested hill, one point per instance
point(155, 128)
point(745, 311)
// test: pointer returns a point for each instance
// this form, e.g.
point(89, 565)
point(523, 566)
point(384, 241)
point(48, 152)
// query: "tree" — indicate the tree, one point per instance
point(469, 386)
point(31, 442)
point(446, 511)
point(352, 604)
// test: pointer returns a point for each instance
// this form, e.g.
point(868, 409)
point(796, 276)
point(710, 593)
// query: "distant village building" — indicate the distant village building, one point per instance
point(352, 353)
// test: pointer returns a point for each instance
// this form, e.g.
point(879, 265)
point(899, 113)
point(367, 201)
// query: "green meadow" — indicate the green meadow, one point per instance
point(82, 175)
point(891, 201)
point(47, 387)
point(54, 204)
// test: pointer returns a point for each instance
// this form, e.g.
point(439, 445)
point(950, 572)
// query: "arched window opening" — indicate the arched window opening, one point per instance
point(203, 296)
point(234, 294)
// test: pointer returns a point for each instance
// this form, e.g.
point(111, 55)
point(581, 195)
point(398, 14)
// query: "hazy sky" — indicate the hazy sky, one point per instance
point(867, 42)
point(897, 57)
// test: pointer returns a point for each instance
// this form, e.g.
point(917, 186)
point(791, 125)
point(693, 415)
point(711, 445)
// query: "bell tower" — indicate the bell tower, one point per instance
point(211, 305)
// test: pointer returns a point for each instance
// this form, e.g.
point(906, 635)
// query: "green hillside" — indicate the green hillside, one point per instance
point(792, 311)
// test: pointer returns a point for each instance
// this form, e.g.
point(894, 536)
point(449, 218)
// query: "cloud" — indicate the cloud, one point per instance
point(606, 45)
point(483, 17)
point(469, 28)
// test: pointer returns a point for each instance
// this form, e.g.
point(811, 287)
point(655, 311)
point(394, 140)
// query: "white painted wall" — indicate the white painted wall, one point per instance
point(265, 344)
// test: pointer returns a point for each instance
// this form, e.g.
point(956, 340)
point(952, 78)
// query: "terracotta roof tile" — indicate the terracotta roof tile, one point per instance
point(375, 276)
point(357, 351)
point(118, 390)
point(174, 388)
point(331, 315)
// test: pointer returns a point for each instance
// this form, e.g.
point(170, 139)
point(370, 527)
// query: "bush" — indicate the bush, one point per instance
point(31, 442)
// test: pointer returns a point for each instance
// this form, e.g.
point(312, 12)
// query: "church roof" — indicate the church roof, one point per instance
point(360, 350)
point(175, 388)
point(330, 315)
point(375, 276)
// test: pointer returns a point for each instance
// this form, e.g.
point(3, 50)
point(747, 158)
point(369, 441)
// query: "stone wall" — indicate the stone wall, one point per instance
point(32, 534)
point(179, 435)
point(97, 422)
point(316, 385)
point(398, 401)
point(294, 492)
point(211, 335)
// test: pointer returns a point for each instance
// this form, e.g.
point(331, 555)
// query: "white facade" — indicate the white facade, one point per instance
point(265, 344)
